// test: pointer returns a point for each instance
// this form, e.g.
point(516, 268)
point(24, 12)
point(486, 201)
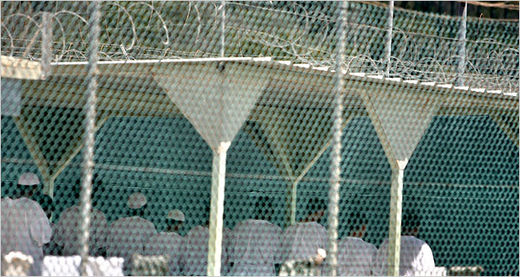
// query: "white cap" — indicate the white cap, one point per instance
point(28, 179)
point(322, 253)
point(175, 215)
point(15, 255)
point(136, 200)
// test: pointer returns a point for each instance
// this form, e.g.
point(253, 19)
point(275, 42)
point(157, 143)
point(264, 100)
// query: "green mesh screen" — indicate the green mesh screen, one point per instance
point(218, 129)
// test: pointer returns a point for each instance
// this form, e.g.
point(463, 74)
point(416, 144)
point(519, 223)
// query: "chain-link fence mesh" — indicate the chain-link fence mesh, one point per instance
point(218, 127)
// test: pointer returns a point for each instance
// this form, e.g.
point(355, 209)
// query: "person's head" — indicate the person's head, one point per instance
point(27, 185)
point(357, 224)
point(316, 208)
point(410, 224)
point(137, 204)
point(263, 208)
point(174, 220)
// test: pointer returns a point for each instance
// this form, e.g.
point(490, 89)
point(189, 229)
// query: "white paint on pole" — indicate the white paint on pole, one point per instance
point(218, 179)
point(394, 231)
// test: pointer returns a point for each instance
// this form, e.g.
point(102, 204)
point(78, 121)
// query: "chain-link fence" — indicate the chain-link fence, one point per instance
point(257, 138)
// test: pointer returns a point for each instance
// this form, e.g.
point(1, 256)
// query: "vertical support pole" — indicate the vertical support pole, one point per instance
point(293, 202)
point(218, 179)
point(46, 43)
point(389, 30)
point(90, 125)
point(335, 168)
point(461, 66)
point(49, 182)
point(394, 232)
point(223, 28)
point(48, 187)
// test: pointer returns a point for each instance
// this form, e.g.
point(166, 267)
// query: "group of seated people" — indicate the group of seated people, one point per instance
point(254, 246)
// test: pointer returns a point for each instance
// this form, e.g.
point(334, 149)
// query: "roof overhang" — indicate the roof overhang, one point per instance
point(17, 68)
point(132, 81)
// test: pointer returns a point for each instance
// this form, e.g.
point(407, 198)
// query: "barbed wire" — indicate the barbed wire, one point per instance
point(303, 37)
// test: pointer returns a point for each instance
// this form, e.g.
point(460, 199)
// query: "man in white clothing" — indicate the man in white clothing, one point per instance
point(307, 267)
point(256, 245)
point(355, 256)
point(416, 257)
point(169, 242)
point(302, 240)
point(128, 235)
point(25, 226)
point(67, 229)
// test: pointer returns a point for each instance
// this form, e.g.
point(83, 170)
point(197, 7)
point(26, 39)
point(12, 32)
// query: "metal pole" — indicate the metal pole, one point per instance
point(218, 180)
point(388, 47)
point(90, 122)
point(46, 43)
point(394, 232)
point(222, 27)
point(462, 48)
point(294, 197)
point(336, 142)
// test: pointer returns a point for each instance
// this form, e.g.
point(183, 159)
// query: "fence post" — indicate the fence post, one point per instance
point(90, 122)
point(461, 66)
point(223, 28)
point(396, 208)
point(218, 179)
point(335, 168)
point(388, 46)
point(46, 45)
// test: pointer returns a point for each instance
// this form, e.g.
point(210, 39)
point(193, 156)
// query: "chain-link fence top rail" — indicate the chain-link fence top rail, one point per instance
point(169, 104)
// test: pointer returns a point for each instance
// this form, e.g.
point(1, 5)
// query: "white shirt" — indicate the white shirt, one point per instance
point(69, 266)
point(302, 240)
point(68, 228)
point(166, 243)
point(416, 258)
point(255, 248)
point(25, 228)
point(194, 258)
point(127, 236)
point(355, 257)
